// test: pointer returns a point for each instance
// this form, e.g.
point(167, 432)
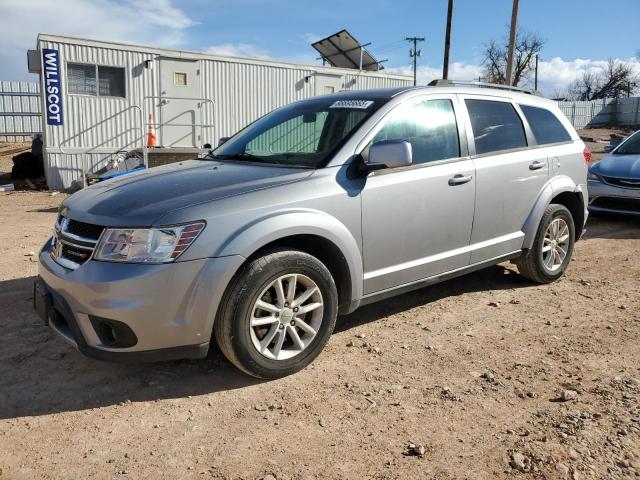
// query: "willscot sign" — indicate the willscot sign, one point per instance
point(52, 86)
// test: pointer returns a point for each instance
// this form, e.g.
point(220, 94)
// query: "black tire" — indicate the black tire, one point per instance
point(531, 264)
point(232, 329)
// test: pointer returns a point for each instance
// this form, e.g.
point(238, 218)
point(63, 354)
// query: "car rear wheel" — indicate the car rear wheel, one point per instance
point(277, 314)
point(552, 248)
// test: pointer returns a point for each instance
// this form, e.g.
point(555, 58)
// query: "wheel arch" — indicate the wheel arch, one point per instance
point(313, 232)
point(561, 190)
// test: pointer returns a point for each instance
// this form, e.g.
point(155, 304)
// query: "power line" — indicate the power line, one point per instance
point(385, 45)
point(390, 49)
point(414, 53)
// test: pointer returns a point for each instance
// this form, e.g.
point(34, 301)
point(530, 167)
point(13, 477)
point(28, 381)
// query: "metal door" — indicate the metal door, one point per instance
point(179, 103)
point(416, 221)
point(507, 186)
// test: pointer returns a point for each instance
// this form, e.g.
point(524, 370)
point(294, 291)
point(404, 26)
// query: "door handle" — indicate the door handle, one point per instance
point(459, 179)
point(537, 165)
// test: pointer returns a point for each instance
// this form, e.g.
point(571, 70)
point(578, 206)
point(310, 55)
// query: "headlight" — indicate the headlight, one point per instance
point(146, 245)
point(594, 177)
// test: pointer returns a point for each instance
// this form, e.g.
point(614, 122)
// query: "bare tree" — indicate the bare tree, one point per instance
point(527, 46)
point(616, 80)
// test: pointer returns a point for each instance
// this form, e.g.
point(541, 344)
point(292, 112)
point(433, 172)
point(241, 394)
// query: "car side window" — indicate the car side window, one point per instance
point(496, 126)
point(545, 125)
point(429, 126)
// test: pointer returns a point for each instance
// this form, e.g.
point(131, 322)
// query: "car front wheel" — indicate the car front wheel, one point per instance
point(277, 314)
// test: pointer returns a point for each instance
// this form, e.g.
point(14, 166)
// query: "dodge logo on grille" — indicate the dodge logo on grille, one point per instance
point(56, 247)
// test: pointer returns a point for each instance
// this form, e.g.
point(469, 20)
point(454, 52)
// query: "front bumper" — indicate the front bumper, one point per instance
point(613, 199)
point(170, 308)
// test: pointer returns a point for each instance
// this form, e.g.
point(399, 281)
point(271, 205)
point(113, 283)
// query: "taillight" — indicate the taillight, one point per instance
point(586, 153)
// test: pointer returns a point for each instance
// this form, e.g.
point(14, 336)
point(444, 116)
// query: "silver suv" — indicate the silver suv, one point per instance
point(311, 211)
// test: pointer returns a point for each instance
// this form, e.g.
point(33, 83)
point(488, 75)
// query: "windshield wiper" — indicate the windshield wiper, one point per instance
point(243, 156)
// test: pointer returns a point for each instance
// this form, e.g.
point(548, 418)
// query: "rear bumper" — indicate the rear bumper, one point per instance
point(168, 309)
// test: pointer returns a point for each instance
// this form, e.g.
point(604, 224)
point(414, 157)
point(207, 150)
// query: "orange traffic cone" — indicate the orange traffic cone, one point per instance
point(151, 135)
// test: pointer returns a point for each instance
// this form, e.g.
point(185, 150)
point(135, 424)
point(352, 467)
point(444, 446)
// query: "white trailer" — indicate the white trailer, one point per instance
point(101, 97)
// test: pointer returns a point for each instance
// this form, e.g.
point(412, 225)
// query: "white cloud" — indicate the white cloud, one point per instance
point(249, 50)
point(156, 22)
point(425, 73)
point(554, 75)
point(238, 50)
point(310, 37)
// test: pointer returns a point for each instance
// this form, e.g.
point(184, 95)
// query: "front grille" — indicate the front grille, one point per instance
point(74, 242)
point(622, 182)
point(85, 230)
point(618, 203)
point(75, 254)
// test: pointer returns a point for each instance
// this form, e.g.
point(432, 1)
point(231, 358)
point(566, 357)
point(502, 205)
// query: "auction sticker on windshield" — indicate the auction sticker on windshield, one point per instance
point(359, 104)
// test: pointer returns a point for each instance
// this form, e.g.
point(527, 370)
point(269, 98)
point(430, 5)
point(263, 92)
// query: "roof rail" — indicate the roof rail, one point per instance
point(453, 83)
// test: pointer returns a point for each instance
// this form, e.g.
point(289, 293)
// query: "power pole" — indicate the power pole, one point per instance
point(447, 42)
point(535, 82)
point(414, 53)
point(512, 42)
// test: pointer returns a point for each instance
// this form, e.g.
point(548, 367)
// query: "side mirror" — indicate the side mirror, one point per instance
point(389, 154)
point(223, 140)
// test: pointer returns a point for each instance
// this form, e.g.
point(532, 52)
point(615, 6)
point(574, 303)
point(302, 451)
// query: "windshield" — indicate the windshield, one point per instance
point(303, 134)
point(631, 146)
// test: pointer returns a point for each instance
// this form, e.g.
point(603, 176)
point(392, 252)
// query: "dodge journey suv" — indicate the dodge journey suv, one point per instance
point(315, 209)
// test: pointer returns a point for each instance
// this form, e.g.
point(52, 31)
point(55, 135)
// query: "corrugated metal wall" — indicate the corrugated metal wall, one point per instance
point(609, 111)
point(19, 111)
point(581, 113)
point(95, 127)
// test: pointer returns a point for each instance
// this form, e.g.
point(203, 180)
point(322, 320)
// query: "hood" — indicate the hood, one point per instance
point(618, 166)
point(139, 199)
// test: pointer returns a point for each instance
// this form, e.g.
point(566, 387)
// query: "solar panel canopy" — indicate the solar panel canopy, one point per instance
point(343, 50)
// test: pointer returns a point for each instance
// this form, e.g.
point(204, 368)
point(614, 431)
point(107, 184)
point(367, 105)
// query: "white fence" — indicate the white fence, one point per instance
point(19, 111)
point(598, 113)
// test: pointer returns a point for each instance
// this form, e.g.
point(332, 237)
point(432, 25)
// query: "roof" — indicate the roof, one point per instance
point(202, 55)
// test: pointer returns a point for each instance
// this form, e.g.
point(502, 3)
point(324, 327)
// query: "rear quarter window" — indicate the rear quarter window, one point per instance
point(496, 126)
point(545, 125)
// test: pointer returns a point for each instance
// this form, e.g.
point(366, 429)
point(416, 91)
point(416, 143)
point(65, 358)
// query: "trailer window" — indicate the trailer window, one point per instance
point(95, 80)
point(180, 79)
point(110, 81)
point(81, 78)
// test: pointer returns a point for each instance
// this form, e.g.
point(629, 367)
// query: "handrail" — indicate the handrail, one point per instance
point(88, 149)
point(201, 124)
point(84, 150)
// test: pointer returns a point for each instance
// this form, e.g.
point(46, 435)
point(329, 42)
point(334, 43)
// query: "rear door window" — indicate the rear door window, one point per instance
point(496, 126)
point(545, 125)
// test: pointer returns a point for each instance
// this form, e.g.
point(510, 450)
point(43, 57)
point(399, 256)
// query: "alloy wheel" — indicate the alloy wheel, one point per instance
point(286, 316)
point(555, 244)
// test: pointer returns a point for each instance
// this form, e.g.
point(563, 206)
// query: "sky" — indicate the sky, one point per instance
point(579, 35)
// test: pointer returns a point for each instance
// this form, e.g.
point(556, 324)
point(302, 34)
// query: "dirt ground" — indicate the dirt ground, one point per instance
point(473, 370)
